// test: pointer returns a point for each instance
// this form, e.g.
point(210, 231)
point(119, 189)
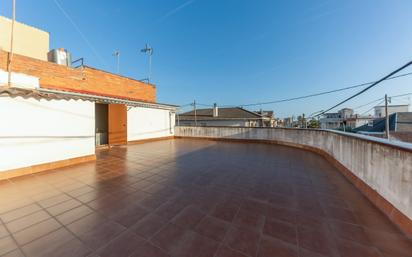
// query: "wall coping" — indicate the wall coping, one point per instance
point(394, 144)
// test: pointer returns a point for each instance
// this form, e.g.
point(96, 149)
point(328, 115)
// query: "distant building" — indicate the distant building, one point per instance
point(380, 109)
point(269, 118)
point(288, 122)
point(344, 118)
point(27, 41)
point(233, 117)
point(400, 127)
point(292, 122)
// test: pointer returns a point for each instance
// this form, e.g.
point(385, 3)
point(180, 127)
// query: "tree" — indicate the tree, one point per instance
point(313, 123)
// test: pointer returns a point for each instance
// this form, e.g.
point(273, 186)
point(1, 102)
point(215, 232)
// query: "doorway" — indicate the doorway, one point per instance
point(101, 124)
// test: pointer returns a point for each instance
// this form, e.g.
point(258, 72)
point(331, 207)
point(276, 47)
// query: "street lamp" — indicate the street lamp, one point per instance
point(149, 51)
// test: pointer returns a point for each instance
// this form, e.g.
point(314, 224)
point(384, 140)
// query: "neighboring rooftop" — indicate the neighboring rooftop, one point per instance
point(399, 122)
point(223, 113)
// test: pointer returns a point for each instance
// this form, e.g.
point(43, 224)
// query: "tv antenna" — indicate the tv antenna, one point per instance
point(149, 51)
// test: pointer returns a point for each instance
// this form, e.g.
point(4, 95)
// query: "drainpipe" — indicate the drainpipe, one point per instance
point(11, 45)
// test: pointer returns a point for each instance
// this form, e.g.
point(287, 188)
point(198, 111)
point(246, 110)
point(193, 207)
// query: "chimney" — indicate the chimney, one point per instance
point(215, 110)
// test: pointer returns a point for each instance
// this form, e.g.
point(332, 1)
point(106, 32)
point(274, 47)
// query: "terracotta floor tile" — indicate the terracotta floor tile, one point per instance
point(129, 215)
point(224, 251)
point(306, 253)
point(213, 228)
point(12, 204)
point(226, 212)
point(280, 230)
point(60, 243)
point(54, 200)
point(149, 250)
point(149, 225)
point(395, 244)
point(170, 209)
point(90, 196)
point(27, 221)
point(80, 191)
point(100, 235)
point(254, 206)
point(86, 223)
point(74, 214)
point(281, 214)
point(305, 220)
point(170, 237)
point(188, 217)
point(7, 245)
point(340, 214)
point(318, 240)
point(196, 245)
point(36, 231)
point(243, 240)
point(253, 220)
point(273, 247)
point(20, 212)
point(350, 232)
point(151, 202)
point(63, 207)
point(283, 201)
point(15, 253)
point(3, 231)
point(123, 245)
point(352, 249)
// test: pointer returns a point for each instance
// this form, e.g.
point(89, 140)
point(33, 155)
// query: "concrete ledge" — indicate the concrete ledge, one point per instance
point(359, 158)
point(45, 166)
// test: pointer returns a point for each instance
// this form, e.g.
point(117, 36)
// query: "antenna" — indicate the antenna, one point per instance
point(149, 51)
point(117, 54)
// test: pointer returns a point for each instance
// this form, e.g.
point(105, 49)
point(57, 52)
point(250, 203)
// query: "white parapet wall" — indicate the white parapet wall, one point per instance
point(149, 123)
point(36, 132)
point(385, 167)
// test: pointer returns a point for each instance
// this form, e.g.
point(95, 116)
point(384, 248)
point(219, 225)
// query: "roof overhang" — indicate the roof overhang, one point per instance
point(51, 94)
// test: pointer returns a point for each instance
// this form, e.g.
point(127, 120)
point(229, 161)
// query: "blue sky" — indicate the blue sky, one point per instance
point(235, 52)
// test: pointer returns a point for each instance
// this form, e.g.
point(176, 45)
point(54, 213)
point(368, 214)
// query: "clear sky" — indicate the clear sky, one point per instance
point(235, 52)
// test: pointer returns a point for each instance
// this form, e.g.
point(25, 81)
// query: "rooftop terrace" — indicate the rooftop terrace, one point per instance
point(189, 197)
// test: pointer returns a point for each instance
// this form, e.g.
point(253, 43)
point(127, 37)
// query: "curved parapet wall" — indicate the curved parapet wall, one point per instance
point(382, 170)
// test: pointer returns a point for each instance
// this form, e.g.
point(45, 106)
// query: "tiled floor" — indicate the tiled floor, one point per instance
point(194, 198)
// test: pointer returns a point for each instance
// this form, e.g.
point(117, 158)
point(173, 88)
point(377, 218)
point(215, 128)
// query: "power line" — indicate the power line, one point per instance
point(367, 88)
point(317, 94)
point(310, 95)
point(101, 60)
point(363, 105)
point(372, 107)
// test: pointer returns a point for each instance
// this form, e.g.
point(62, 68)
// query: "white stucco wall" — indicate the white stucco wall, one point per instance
point(40, 131)
point(146, 123)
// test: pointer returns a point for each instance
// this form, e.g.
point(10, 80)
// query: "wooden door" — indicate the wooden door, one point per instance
point(117, 124)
